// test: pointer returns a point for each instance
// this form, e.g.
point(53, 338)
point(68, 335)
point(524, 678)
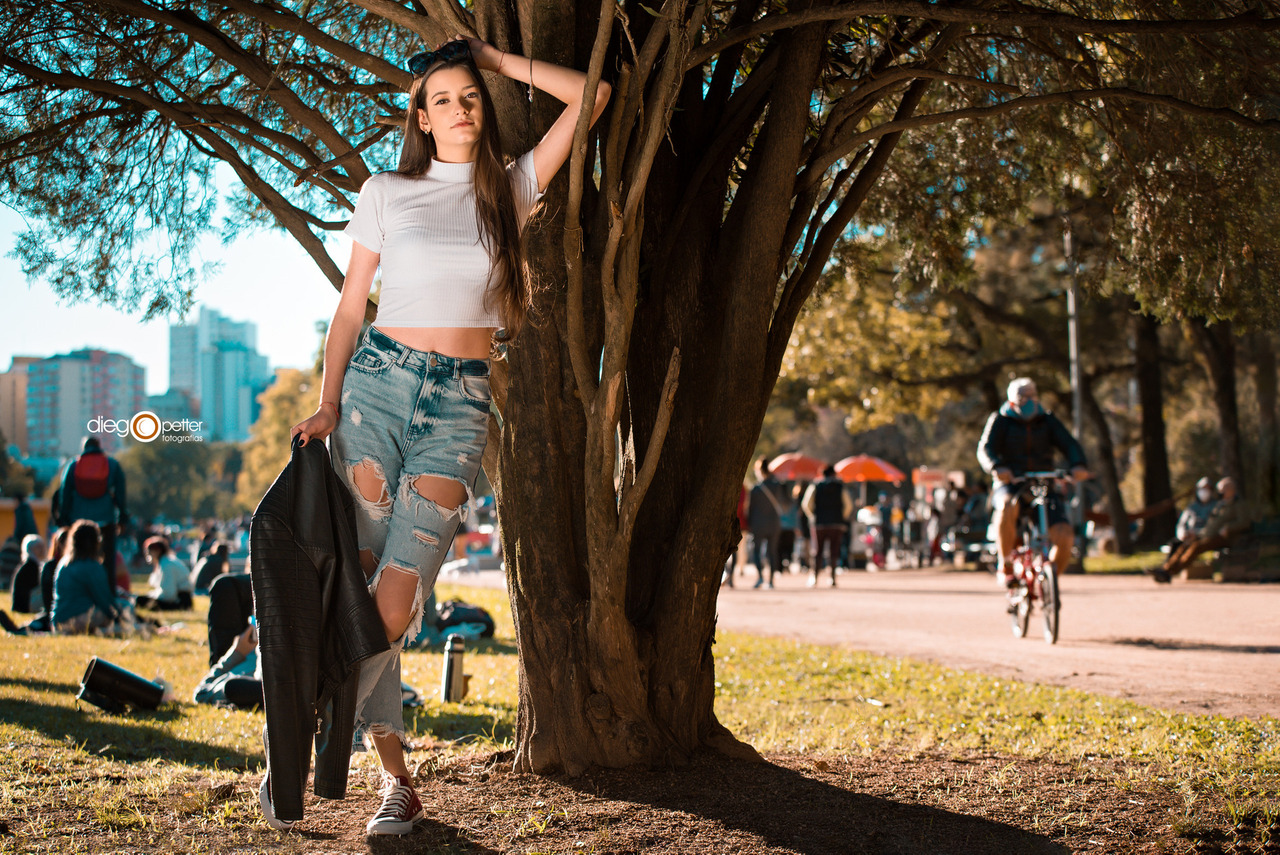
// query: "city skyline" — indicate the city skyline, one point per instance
point(266, 279)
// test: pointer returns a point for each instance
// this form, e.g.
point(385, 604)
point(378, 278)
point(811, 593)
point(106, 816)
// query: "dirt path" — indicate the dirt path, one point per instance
point(1190, 646)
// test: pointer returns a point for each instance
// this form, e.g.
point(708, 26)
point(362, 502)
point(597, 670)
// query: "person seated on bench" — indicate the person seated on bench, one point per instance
point(1196, 515)
point(1230, 518)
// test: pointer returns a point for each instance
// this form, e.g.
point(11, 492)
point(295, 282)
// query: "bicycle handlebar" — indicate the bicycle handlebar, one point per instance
point(1054, 474)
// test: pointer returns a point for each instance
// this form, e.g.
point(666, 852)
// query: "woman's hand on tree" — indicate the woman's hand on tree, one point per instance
point(317, 426)
point(486, 56)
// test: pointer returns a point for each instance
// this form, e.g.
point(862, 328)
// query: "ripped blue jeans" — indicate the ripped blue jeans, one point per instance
point(406, 413)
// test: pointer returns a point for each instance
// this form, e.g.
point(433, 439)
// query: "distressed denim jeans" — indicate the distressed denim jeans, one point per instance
point(406, 413)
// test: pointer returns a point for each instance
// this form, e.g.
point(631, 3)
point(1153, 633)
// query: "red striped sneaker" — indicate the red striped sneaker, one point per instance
point(400, 809)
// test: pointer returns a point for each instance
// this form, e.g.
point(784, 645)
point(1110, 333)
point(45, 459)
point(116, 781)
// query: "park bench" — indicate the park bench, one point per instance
point(1254, 557)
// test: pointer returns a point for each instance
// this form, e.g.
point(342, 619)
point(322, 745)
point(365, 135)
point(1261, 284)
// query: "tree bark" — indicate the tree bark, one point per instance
point(1157, 487)
point(1217, 347)
point(1106, 469)
point(1263, 353)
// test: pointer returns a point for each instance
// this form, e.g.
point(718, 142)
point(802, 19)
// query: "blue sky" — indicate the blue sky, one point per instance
point(265, 278)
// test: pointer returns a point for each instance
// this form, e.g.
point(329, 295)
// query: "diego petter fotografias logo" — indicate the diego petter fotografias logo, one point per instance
point(146, 426)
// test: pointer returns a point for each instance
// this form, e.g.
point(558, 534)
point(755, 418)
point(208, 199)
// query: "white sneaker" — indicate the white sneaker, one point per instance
point(268, 812)
point(400, 809)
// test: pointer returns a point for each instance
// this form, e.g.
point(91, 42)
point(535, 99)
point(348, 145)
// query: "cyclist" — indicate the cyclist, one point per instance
point(1021, 437)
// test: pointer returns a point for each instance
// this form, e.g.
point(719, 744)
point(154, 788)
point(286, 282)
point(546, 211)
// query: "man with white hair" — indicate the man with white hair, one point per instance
point(1230, 518)
point(1020, 437)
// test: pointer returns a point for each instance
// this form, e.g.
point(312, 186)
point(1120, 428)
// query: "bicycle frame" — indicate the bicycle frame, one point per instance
point(1032, 564)
point(1039, 546)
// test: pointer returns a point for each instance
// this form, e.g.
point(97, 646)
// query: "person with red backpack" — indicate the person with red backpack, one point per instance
point(93, 489)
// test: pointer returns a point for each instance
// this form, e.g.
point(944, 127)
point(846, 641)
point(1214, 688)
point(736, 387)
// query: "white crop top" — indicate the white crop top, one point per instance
point(435, 269)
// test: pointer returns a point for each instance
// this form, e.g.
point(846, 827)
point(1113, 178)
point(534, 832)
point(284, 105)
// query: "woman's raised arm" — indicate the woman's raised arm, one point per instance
point(565, 84)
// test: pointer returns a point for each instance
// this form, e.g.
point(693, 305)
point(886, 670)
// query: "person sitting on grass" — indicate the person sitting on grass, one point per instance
point(170, 579)
point(1229, 519)
point(210, 567)
point(81, 599)
point(234, 679)
point(26, 580)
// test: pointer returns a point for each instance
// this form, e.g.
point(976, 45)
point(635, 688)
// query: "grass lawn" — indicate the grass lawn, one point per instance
point(1135, 563)
point(183, 779)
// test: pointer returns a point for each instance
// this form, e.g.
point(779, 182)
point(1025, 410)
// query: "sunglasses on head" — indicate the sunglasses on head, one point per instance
point(456, 49)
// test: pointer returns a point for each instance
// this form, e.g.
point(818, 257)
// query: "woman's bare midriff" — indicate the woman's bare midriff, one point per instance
point(460, 342)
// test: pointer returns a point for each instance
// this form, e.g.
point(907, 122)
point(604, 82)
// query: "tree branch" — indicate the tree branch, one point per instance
point(978, 15)
point(578, 355)
point(291, 218)
point(657, 438)
point(253, 67)
point(286, 20)
point(800, 284)
point(458, 20)
point(428, 29)
point(1074, 96)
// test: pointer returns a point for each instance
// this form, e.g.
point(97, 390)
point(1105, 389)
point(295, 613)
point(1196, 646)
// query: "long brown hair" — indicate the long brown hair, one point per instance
point(85, 541)
point(495, 202)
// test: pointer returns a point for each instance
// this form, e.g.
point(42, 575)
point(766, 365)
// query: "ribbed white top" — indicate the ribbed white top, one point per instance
point(435, 269)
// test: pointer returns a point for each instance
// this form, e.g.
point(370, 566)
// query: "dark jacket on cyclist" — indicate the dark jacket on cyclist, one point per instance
point(1022, 445)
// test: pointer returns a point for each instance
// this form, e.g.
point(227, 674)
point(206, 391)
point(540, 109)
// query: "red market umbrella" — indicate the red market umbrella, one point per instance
point(794, 466)
point(864, 467)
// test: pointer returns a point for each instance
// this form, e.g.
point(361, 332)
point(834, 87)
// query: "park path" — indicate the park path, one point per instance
point(1194, 647)
point(1190, 646)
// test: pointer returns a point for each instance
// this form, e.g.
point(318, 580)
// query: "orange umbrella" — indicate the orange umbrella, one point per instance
point(864, 467)
point(794, 466)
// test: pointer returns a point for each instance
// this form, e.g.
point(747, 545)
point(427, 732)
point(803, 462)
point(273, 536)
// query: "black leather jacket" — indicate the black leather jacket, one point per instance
point(316, 621)
point(1026, 446)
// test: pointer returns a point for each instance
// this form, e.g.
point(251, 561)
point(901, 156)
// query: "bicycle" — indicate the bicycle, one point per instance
point(1036, 577)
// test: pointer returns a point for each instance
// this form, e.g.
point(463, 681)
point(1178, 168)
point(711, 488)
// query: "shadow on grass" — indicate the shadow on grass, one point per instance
point(138, 735)
point(497, 726)
point(492, 646)
point(786, 809)
point(1182, 644)
point(40, 685)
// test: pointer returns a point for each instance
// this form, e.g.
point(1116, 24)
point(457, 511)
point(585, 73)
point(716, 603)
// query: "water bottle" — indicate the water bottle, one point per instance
point(453, 686)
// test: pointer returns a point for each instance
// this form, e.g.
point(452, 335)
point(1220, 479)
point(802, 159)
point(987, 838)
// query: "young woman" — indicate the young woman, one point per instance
point(409, 409)
point(81, 599)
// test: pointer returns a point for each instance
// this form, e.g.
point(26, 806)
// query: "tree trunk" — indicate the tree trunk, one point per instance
point(1264, 372)
point(1106, 469)
point(1157, 487)
point(1217, 347)
point(615, 629)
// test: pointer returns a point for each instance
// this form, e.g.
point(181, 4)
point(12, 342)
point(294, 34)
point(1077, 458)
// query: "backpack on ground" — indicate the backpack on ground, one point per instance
point(455, 612)
point(92, 473)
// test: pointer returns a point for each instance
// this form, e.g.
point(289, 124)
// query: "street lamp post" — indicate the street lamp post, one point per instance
point(1073, 347)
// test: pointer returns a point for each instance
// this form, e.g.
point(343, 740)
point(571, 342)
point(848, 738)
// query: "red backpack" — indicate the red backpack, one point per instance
point(92, 473)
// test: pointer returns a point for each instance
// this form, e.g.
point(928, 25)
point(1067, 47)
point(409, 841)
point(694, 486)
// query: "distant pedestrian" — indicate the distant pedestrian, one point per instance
point(764, 517)
point(24, 519)
point(829, 507)
point(93, 488)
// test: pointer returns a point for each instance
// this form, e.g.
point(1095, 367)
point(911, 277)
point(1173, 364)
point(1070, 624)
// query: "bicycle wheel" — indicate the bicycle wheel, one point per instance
point(1019, 606)
point(1049, 601)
